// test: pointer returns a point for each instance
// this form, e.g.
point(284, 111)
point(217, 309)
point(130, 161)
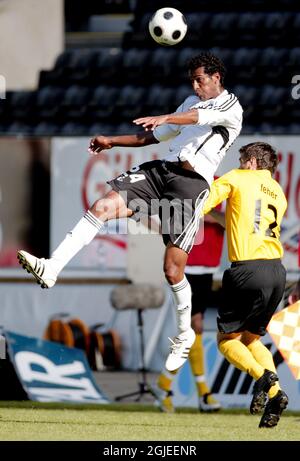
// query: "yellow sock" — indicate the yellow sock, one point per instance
point(196, 358)
point(263, 356)
point(165, 379)
point(239, 355)
point(201, 385)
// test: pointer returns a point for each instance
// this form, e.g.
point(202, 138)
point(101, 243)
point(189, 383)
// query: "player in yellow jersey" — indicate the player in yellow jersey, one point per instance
point(254, 284)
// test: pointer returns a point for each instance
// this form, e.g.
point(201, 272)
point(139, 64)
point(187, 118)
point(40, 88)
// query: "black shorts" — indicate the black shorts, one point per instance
point(164, 188)
point(251, 292)
point(201, 285)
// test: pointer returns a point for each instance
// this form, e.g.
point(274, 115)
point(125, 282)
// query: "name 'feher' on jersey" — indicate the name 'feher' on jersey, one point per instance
point(204, 144)
point(252, 219)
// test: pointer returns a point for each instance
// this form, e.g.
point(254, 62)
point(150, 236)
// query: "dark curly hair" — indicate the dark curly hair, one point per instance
point(265, 154)
point(210, 63)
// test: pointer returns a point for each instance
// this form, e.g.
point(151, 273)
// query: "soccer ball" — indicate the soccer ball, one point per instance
point(167, 26)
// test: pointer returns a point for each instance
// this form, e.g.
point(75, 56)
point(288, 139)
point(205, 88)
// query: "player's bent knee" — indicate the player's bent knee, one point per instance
point(173, 273)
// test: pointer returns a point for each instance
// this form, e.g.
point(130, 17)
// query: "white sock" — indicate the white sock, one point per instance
point(183, 298)
point(82, 234)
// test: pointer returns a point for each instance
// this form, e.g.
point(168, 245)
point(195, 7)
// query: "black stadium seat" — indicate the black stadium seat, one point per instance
point(102, 102)
point(135, 62)
point(129, 102)
point(74, 101)
point(158, 100)
point(48, 101)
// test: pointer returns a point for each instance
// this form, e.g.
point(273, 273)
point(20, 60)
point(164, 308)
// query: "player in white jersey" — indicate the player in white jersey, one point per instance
point(202, 128)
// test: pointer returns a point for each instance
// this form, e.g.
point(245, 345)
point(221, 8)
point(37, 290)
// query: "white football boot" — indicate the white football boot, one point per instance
point(180, 349)
point(39, 268)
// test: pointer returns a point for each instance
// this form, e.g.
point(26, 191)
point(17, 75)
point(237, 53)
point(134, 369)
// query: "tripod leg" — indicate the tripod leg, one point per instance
point(144, 388)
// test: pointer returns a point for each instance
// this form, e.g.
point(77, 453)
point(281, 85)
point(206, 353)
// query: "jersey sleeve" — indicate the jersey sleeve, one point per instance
point(220, 190)
point(168, 131)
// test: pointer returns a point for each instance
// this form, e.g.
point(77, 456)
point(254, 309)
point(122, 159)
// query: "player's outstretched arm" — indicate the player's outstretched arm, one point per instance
point(99, 143)
point(179, 118)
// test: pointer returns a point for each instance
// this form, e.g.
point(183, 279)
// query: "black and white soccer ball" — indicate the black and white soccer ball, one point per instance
point(167, 26)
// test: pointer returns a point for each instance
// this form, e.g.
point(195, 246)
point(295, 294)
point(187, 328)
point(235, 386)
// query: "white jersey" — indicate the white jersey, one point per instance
point(204, 144)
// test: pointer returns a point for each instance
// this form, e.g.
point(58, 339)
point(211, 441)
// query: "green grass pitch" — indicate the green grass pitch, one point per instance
point(32, 421)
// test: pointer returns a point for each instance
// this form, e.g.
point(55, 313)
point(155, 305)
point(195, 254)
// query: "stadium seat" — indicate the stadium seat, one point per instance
point(135, 62)
point(19, 128)
point(128, 103)
point(198, 28)
point(293, 59)
point(181, 93)
point(80, 65)
point(106, 66)
point(73, 129)
point(271, 102)
point(180, 73)
point(244, 62)
point(46, 129)
point(22, 105)
point(98, 128)
point(295, 28)
point(74, 102)
point(247, 96)
point(292, 128)
point(160, 62)
point(101, 103)
point(126, 128)
point(276, 26)
point(222, 28)
point(270, 64)
point(158, 100)
point(48, 101)
point(249, 27)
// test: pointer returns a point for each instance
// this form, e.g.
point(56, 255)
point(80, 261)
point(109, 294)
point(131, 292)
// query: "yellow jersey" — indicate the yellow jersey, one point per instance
point(254, 210)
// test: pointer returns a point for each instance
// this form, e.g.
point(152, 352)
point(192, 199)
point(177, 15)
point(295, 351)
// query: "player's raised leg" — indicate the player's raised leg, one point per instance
point(46, 271)
point(174, 264)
